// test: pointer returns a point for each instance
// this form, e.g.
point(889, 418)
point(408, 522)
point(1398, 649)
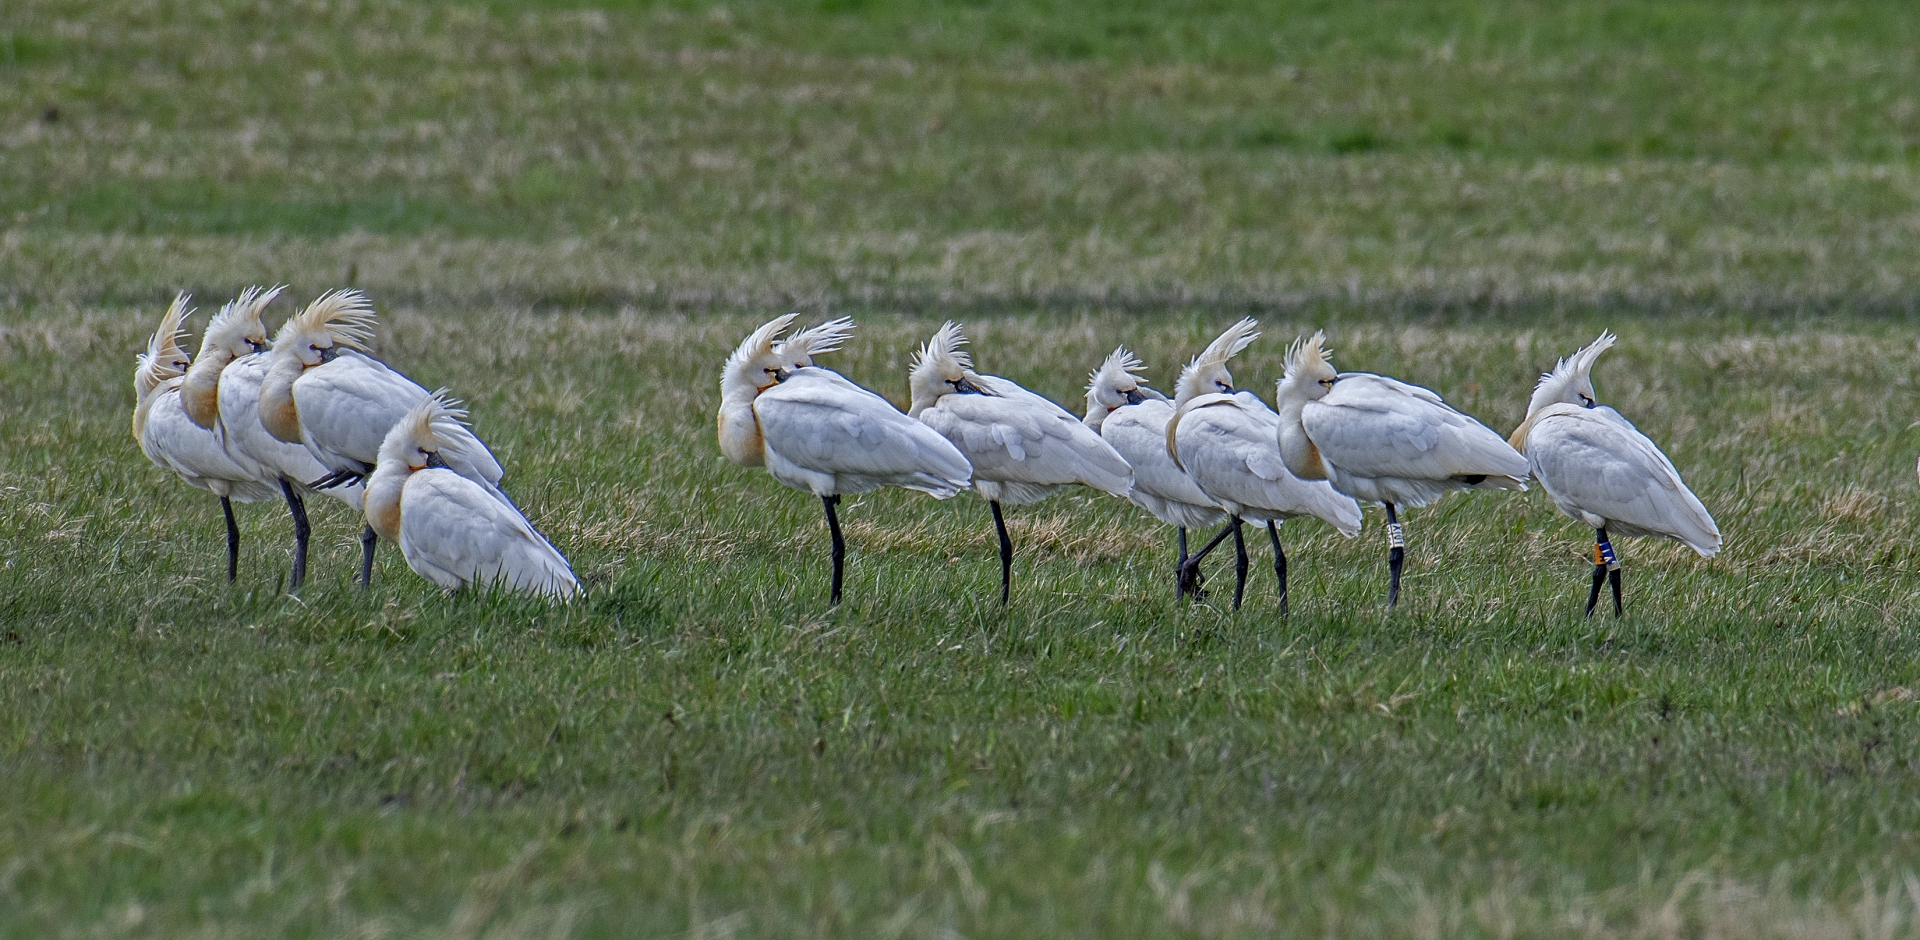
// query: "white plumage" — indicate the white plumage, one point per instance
point(451, 529)
point(170, 438)
point(1381, 439)
point(1599, 469)
point(1132, 419)
point(819, 433)
point(323, 391)
point(1225, 440)
point(1022, 446)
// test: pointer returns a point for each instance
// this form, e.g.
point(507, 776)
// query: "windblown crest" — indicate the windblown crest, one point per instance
point(943, 352)
point(238, 322)
point(1117, 371)
point(760, 341)
point(345, 315)
point(1310, 355)
point(164, 351)
point(801, 347)
point(439, 425)
point(1207, 372)
point(1570, 381)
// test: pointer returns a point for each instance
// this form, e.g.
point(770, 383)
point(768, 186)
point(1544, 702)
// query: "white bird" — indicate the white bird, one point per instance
point(171, 439)
point(1601, 470)
point(324, 391)
point(222, 394)
point(1132, 419)
point(1385, 441)
point(819, 433)
point(453, 530)
point(1225, 440)
point(1022, 446)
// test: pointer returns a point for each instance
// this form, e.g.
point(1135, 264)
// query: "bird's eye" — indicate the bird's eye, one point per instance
point(1328, 382)
point(1223, 386)
point(1587, 400)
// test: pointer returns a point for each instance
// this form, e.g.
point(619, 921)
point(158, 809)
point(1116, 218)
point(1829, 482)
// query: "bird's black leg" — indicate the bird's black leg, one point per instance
point(297, 507)
point(1599, 578)
point(1239, 564)
point(839, 547)
point(1279, 564)
point(1192, 564)
point(1006, 552)
point(233, 541)
point(1180, 567)
point(1396, 555)
point(367, 540)
point(1612, 563)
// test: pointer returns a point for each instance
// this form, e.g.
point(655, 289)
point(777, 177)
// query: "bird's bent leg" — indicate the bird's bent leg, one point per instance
point(1603, 555)
point(1239, 564)
point(367, 540)
point(233, 541)
point(1396, 555)
point(1006, 552)
point(1193, 560)
point(1279, 564)
point(839, 547)
point(297, 507)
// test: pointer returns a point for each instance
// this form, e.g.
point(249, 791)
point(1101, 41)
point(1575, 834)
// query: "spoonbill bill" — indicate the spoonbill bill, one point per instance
point(1132, 419)
point(1385, 441)
point(222, 394)
point(819, 433)
point(1022, 446)
point(1224, 439)
point(453, 530)
point(324, 391)
point(1602, 471)
point(174, 442)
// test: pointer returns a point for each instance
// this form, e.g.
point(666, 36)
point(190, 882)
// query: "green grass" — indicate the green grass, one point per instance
point(569, 215)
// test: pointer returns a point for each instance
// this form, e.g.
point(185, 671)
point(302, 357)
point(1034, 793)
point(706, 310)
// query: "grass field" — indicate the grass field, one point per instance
point(568, 214)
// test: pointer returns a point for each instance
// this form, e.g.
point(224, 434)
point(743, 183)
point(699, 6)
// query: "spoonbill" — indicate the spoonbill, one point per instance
point(1132, 419)
point(1385, 441)
point(174, 442)
point(1022, 446)
point(222, 394)
point(819, 433)
point(1224, 439)
point(324, 391)
point(1602, 471)
point(453, 530)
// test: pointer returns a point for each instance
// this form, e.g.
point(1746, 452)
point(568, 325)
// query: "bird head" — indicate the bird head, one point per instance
point(941, 367)
point(1571, 381)
point(755, 366)
point(1207, 374)
point(165, 358)
point(237, 329)
point(1310, 373)
point(1114, 386)
point(428, 434)
point(336, 320)
point(798, 350)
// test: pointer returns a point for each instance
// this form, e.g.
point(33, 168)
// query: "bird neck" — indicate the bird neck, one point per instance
point(278, 413)
point(382, 498)
point(740, 438)
point(1297, 450)
point(200, 393)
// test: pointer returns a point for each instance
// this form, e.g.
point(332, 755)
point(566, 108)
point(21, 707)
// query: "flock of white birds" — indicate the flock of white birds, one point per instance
point(1214, 454)
point(253, 419)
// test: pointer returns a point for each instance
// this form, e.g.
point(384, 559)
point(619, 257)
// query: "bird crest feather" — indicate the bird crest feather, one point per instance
point(944, 350)
point(442, 419)
point(1118, 369)
point(760, 341)
point(815, 340)
point(346, 315)
point(1580, 363)
point(1307, 354)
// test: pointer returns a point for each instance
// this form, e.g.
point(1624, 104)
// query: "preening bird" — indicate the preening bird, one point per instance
point(1225, 440)
point(324, 391)
point(1022, 446)
point(173, 441)
point(453, 530)
point(1132, 419)
point(1385, 441)
point(819, 433)
point(1601, 470)
point(222, 394)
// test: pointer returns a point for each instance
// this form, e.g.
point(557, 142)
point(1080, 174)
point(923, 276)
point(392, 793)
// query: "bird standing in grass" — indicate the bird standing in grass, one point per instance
point(324, 391)
point(222, 394)
point(452, 529)
point(819, 433)
point(1132, 419)
point(1225, 441)
point(171, 439)
point(1385, 441)
point(1601, 470)
point(1022, 446)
